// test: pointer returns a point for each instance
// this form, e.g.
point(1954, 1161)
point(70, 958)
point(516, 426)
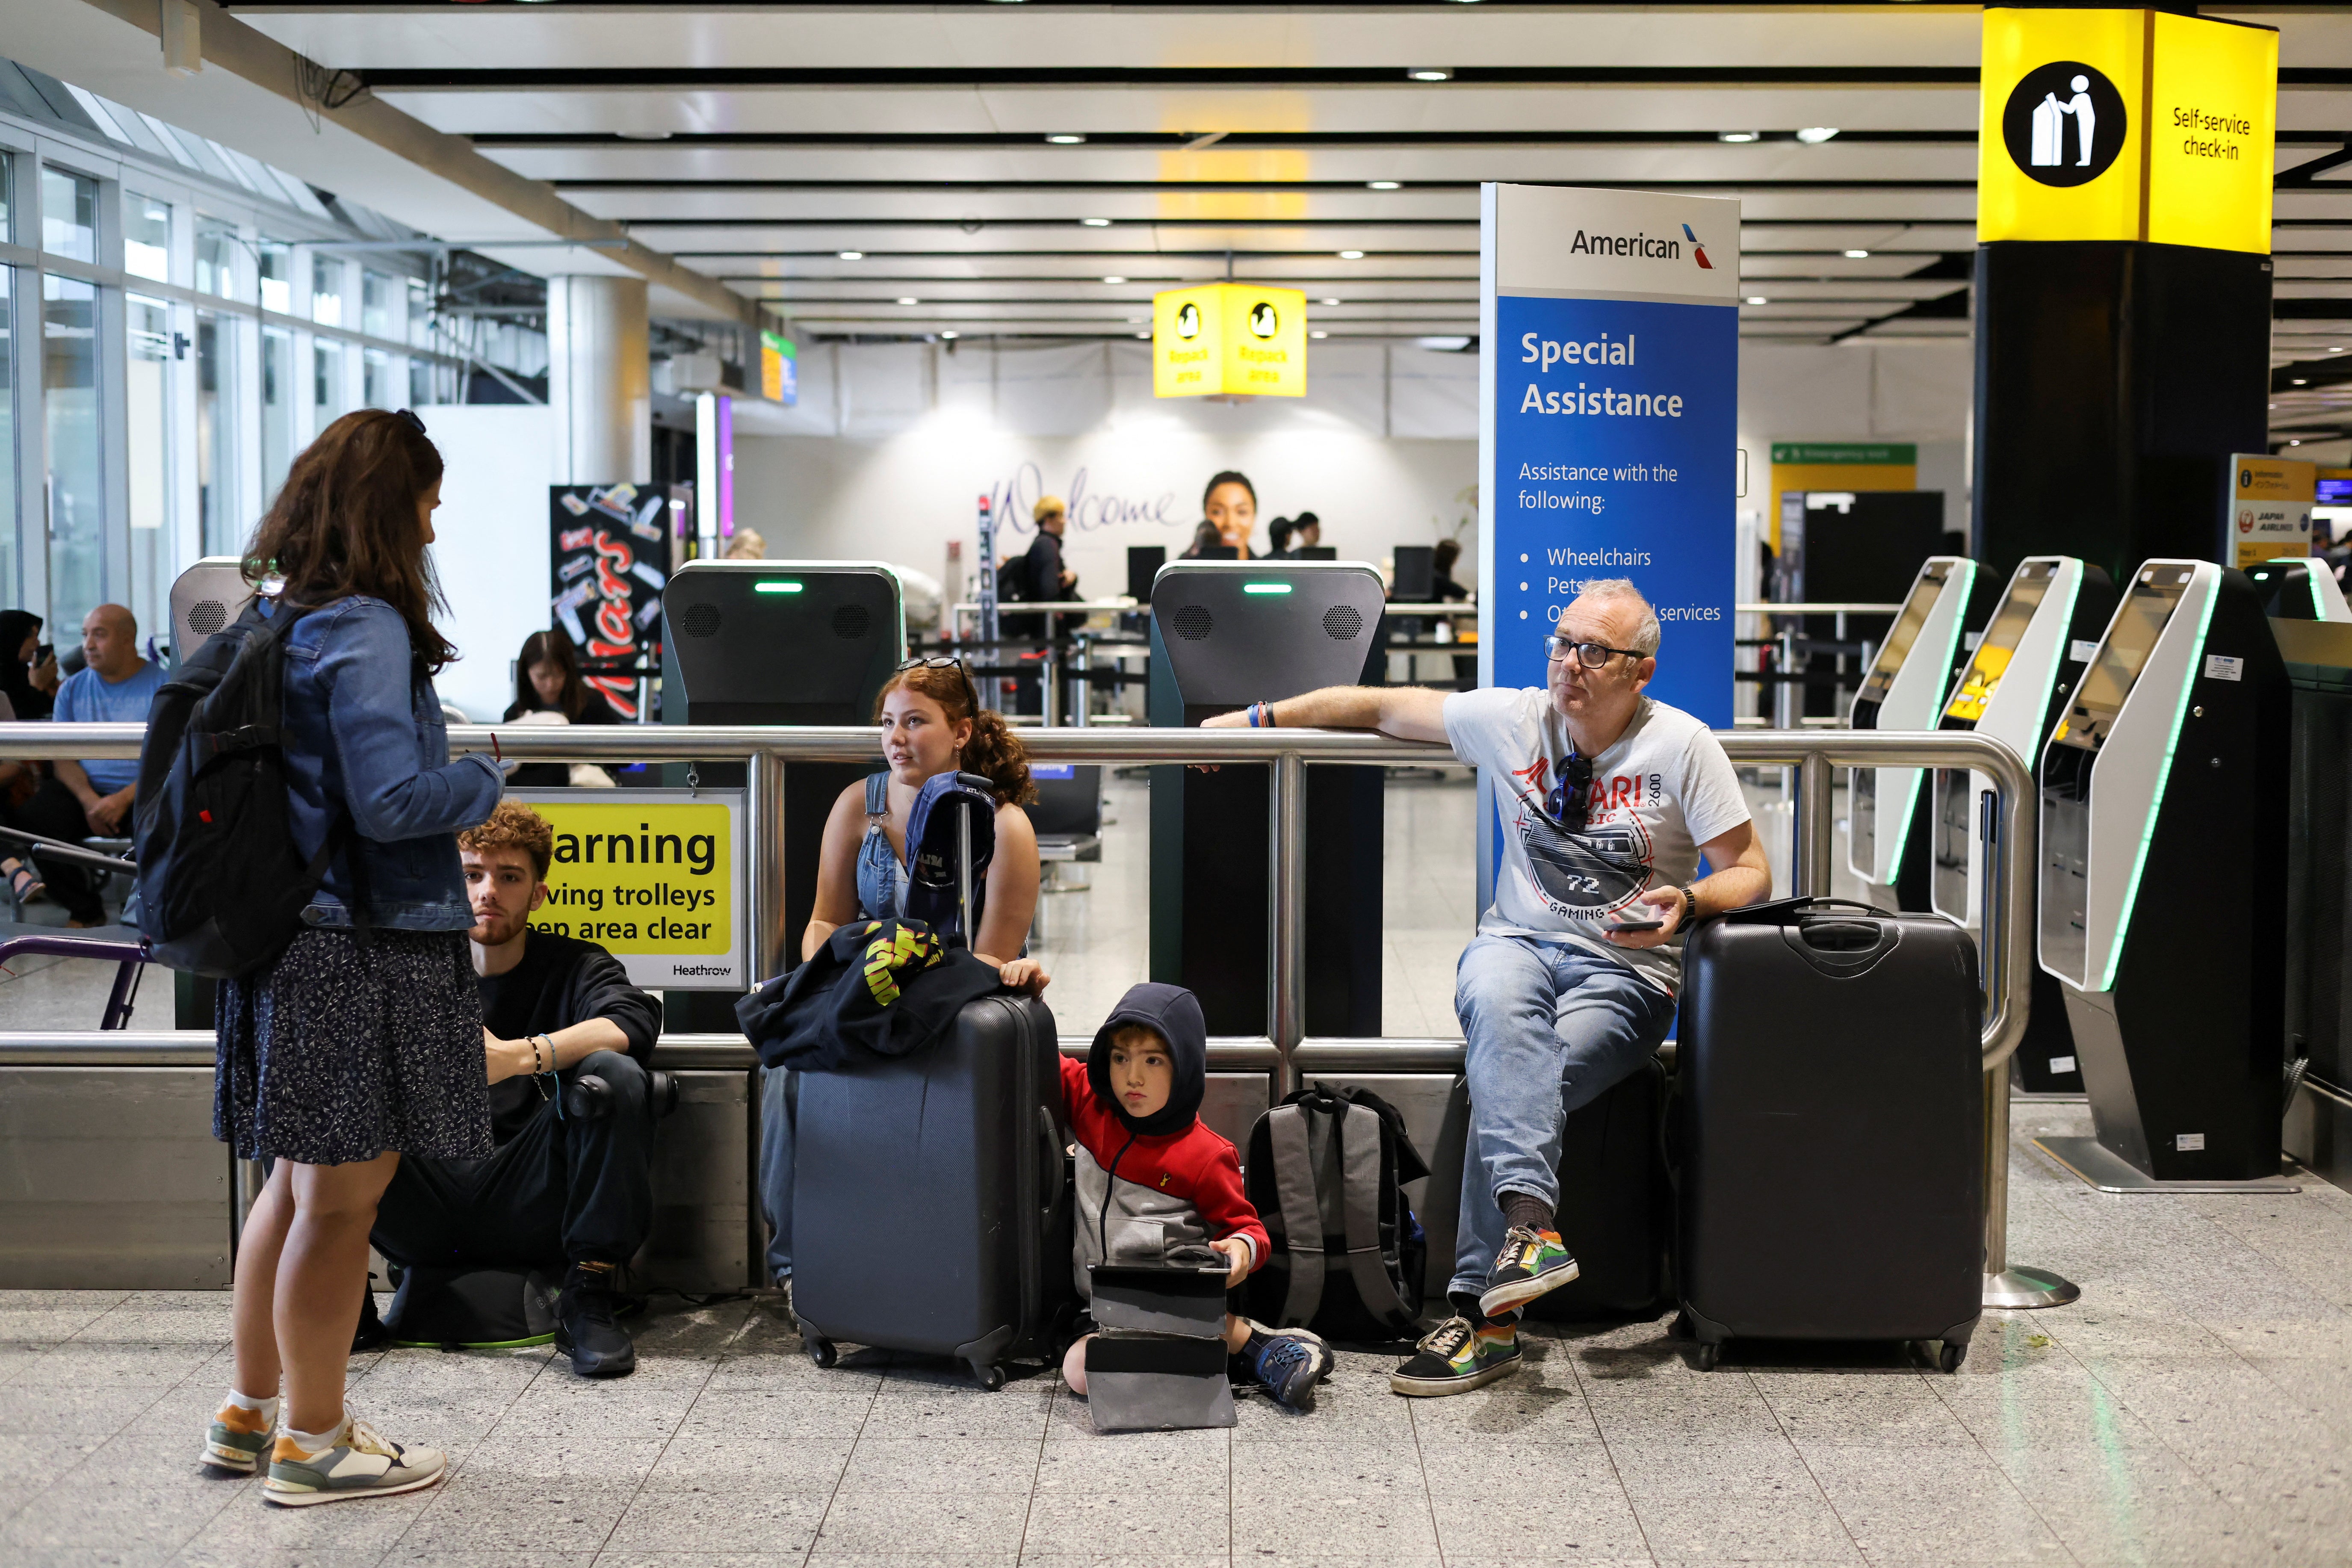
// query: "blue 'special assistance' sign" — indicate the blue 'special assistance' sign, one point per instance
point(1608, 424)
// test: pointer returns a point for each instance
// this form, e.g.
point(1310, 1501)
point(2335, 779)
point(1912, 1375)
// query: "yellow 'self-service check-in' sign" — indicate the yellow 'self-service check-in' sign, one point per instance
point(651, 876)
point(2127, 125)
point(1229, 340)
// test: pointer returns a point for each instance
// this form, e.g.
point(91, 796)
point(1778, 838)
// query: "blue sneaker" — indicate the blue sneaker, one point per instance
point(1288, 1367)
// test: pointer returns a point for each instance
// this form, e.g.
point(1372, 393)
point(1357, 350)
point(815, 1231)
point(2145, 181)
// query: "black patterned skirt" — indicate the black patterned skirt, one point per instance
point(338, 1052)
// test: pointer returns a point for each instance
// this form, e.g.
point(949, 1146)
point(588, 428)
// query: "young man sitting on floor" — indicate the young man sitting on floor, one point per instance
point(575, 1191)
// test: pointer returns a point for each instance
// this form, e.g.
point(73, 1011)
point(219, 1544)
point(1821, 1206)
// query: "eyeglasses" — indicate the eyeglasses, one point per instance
point(944, 661)
point(1569, 802)
point(1591, 655)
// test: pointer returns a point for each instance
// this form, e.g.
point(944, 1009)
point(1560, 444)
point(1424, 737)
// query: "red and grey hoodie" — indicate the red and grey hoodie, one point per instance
point(1150, 1185)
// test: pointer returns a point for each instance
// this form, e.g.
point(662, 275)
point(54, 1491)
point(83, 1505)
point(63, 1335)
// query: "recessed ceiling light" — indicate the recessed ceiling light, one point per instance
point(1757, 300)
point(1815, 135)
point(1351, 256)
point(1739, 136)
point(851, 254)
point(1114, 280)
point(1430, 73)
point(2294, 443)
point(1066, 139)
point(1144, 335)
point(2335, 351)
point(1330, 301)
point(2300, 382)
point(949, 333)
point(1382, 184)
point(1858, 256)
point(1319, 334)
point(1095, 222)
point(908, 300)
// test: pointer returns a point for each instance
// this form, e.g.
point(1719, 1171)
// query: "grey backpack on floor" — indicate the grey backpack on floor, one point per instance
point(1326, 1169)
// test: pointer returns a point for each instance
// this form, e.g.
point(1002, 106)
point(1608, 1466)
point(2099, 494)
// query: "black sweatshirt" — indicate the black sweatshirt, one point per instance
point(561, 981)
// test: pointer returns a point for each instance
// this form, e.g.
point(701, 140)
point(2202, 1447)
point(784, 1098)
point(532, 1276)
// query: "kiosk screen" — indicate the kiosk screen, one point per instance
point(2122, 655)
point(1904, 632)
point(2001, 640)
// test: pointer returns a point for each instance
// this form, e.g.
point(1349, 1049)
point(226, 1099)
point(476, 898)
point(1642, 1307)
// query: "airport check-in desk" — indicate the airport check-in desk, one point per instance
point(2019, 677)
point(109, 1177)
point(2165, 794)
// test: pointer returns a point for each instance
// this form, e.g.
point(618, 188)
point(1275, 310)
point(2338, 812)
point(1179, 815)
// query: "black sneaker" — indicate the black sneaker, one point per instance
point(371, 1334)
point(1530, 1263)
point(585, 1325)
point(1455, 1359)
point(1288, 1367)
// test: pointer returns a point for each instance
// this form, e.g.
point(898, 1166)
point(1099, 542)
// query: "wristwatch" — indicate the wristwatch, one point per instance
point(1690, 903)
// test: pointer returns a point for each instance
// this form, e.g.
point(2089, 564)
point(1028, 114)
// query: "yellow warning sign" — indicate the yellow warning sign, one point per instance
point(654, 878)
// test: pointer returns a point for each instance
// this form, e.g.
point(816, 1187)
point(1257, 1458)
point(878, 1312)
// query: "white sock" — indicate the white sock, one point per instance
point(317, 1442)
point(266, 1408)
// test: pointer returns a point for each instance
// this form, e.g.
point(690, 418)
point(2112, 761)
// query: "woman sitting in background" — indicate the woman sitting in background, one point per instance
point(547, 681)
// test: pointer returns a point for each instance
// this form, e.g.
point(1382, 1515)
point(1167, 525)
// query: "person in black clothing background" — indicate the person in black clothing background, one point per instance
point(570, 1190)
point(547, 681)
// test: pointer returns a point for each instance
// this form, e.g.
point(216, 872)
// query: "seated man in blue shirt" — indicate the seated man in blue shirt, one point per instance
point(114, 686)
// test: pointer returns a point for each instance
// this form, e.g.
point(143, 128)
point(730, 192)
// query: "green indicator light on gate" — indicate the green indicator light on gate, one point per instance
point(1266, 587)
point(775, 587)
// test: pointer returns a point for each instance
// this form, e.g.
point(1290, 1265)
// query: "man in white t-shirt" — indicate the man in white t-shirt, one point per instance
point(1606, 799)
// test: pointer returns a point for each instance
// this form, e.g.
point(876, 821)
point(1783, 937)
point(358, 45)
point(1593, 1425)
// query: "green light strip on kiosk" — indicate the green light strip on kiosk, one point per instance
point(775, 587)
point(1967, 577)
point(2163, 773)
point(1266, 587)
point(2318, 604)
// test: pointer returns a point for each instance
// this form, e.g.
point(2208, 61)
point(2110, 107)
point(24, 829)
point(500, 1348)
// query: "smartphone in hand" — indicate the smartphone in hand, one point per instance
point(1637, 922)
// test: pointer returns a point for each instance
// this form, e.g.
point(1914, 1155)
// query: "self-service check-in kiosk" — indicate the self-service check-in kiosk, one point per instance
point(205, 598)
point(2019, 679)
point(1888, 807)
point(2164, 839)
point(780, 642)
point(1225, 633)
point(2298, 588)
point(2318, 1130)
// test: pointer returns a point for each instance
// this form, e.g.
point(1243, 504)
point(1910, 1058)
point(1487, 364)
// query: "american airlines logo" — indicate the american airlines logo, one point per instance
point(1646, 246)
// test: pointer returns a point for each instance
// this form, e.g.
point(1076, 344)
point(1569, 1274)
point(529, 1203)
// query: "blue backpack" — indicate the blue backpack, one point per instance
point(221, 887)
point(933, 889)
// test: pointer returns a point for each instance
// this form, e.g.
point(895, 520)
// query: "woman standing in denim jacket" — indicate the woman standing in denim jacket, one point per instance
point(363, 1041)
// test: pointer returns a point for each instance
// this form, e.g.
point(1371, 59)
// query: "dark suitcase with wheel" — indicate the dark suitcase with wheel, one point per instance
point(930, 1210)
point(1831, 1128)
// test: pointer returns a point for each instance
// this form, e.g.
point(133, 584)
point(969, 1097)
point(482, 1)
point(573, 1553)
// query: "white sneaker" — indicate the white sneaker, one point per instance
point(362, 1463)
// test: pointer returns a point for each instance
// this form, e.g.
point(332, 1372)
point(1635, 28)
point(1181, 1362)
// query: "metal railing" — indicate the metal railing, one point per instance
point(1285, 1051)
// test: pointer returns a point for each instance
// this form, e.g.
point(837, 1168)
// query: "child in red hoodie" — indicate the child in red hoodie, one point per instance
point(1155, 1187)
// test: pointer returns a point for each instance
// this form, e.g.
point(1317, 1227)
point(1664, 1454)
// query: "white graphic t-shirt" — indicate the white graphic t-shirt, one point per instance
point(1662, 791)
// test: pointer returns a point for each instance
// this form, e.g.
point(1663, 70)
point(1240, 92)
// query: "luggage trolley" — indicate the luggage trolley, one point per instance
point(1225, 633)
point(2018, 681)
point(2164, 822)
point(1887, 840)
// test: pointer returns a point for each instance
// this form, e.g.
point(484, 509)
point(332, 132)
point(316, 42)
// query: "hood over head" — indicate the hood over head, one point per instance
point(1174, 1014)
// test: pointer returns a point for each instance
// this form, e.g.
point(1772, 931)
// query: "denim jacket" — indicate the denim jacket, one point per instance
point(365, 742)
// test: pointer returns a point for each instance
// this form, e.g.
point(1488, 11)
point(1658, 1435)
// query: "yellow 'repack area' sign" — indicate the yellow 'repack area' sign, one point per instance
point(652, 876)
point(2116, 124)
point(1229, 340)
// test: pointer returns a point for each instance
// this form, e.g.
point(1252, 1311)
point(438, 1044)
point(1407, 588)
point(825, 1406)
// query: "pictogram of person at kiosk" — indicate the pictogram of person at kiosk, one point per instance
point(1606, 799)
point(566, 1039)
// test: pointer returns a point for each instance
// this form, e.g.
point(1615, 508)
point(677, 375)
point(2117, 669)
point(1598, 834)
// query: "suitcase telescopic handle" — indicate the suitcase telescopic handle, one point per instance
point(1049, 1139)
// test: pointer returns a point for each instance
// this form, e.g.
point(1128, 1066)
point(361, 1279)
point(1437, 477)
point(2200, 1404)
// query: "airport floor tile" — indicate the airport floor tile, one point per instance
point(2189, 1411)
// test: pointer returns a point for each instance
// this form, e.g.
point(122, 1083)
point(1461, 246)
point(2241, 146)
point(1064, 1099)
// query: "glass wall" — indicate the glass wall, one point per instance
point(326, 290)
point(277, 409)
point(68, 213)
point(11, 564)
point(147, 443)
point(326, 385)
point(376, 380)
point(276, 268)
point(219, 526)
point(216, 251)
point(147, 238)
point(76, 474)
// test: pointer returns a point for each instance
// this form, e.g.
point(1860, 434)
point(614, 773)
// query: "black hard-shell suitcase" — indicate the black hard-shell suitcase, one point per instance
point(1830, 1128)
point(930, 1209)
point(1615, 1210)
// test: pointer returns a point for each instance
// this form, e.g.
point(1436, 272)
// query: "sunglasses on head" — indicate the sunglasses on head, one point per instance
point(944, 661)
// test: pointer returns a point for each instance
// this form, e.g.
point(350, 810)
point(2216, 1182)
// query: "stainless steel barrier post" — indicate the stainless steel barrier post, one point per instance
point(1286, 904)
point(1049, 683)
point(1811, 825)
point(1787, 704)
point(1082, 689)
point(763, 825)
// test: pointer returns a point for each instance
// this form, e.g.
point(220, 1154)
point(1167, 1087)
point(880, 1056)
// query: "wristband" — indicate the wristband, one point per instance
point(1261, 715)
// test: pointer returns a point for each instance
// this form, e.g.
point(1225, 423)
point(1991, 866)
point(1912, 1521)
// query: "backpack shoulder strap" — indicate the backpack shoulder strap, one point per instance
point(1302, 1216)
point(1359, 1132)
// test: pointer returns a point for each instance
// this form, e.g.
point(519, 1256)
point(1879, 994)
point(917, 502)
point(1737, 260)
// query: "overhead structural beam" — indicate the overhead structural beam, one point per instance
point(240, 50)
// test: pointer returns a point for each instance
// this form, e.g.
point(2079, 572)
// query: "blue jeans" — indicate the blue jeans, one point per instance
point(1551, 1027)
point(777, 1101)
